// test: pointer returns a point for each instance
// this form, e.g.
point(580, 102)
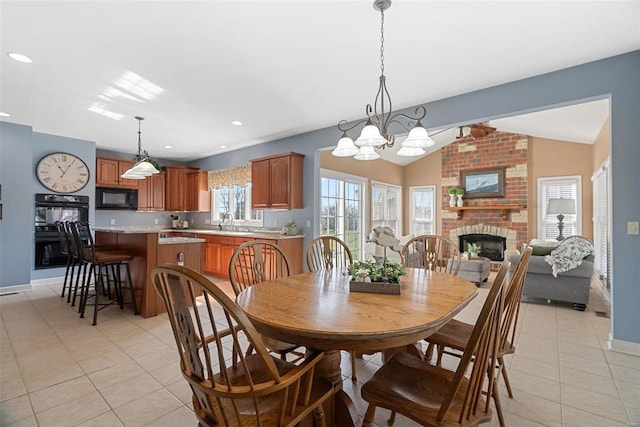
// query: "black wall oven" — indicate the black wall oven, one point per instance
point(50, 208)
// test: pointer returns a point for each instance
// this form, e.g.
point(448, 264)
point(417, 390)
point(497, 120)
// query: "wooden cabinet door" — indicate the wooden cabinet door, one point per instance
point(107, 172)
point(144, 203)
point(175, 189)
point(124, 166)
point(198, 196)
point(226, 252)
point(211, 257)
point(260, 184)
point(280, 182)
point(156, 192)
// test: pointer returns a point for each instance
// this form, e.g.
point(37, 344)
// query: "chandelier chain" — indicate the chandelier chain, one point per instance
point(382, 41)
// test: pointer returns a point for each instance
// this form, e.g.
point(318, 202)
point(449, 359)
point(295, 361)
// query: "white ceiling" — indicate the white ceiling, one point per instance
point(283, 67)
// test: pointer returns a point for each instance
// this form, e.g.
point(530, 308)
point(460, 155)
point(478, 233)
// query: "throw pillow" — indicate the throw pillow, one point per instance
point(541, 250)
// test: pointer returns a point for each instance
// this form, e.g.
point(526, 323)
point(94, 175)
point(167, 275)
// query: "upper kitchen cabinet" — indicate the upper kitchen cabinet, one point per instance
point(186, 189)
point(108, 173)
point(151, 193)
point(276, 182)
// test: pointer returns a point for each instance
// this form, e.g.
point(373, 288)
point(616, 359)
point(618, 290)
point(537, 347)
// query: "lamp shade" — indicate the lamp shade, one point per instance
point(145, 166)
point(561, 206)
point(370, 137)
point(345, 147)
point(418, 138)
point(367, 153)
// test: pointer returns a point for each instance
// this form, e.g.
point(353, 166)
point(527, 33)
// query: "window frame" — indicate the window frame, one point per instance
point(248, 219)
point(542, 204)
point(434, 210)
point(386, 187)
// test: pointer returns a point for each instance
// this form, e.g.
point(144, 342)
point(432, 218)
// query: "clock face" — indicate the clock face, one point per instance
point(62, 172)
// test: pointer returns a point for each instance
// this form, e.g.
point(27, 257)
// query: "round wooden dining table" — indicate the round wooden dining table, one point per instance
point(318, 310)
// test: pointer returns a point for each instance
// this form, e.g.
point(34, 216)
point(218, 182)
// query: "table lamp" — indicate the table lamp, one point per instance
point(561, 207)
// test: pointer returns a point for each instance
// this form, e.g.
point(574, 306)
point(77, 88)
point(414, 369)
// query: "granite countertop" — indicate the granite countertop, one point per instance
point(270, 234)
point(178, 240)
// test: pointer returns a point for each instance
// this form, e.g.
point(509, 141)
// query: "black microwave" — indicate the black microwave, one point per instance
point(116, 198)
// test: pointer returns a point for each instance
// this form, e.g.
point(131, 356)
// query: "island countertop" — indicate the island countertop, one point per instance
point(271, 234)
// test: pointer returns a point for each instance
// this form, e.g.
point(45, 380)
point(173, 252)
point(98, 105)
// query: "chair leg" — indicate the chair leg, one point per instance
point(318, 417)
point(440, 354)
point(496, 400)
point(66, 276)
point(133, 292)
point(99, 287)
point(73, 267)
point(392, 418)
point(84, 288)
point(506, 377)
point(368, 416)
point(352, 354)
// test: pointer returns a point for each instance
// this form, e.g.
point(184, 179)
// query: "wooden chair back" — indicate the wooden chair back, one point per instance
point(327, 252)
point(256, 261)
point(230, 385)
point(512, 301)
point(435, 253)
point(482, 350)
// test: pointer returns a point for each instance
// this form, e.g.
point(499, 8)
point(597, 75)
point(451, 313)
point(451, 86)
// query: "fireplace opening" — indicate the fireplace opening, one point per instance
point(491, 246)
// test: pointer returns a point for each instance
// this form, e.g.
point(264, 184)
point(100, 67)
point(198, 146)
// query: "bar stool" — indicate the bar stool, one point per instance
point(65, 247)
point(101, 262)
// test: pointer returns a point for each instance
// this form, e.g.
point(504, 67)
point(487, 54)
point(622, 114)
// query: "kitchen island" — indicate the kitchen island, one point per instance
point(202, 250)
point(149, 250)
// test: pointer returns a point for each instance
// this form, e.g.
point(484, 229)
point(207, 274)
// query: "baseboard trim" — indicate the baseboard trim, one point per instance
point(621, 346)
point(47, 281)
point(13, 289)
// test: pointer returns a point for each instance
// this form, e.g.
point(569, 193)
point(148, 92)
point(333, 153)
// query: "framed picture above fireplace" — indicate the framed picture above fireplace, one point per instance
point(483, 183)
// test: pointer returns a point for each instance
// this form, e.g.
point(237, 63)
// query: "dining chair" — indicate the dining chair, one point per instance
point(328, 252)
point(431, 252)
point(230, 385)
point(455, 334)
point(434, 396)
point(254, 262)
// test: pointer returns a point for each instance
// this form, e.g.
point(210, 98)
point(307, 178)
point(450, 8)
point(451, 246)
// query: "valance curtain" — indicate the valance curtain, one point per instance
point(239, 175)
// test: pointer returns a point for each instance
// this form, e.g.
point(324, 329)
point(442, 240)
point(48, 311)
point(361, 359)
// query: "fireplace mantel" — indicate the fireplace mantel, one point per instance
point(504, 208)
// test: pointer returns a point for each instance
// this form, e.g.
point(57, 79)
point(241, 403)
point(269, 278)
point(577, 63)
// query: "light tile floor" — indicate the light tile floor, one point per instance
point(58, 370)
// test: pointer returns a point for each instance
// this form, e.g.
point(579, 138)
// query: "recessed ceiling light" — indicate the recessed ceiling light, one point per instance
point(19, 57)
point(3, 114)
point(236, 123)
point(223, 146)
point(168, 147)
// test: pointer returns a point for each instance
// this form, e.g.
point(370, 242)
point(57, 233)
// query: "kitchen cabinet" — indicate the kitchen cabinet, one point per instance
point(109, 171)
point(186, 189)
point(218, 250)
point(198, 193)
point(151, 193)
point(276, 182)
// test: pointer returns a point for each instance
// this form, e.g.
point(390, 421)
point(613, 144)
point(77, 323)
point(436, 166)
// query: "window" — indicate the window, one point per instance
point(342, 209)
point(422, 210)
point(236, 200)
point(386, 206)
point(601, 223)
point(564, 187)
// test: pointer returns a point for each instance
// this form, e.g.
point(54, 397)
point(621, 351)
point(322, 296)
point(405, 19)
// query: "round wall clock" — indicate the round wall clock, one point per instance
point(62, 172)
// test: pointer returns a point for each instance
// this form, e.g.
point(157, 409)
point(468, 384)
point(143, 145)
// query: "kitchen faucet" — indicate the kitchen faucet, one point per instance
point(226, 216)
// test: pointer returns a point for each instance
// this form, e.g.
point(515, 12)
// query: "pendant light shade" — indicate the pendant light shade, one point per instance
point(345, 147)
point(366, 152)
point(142, 167)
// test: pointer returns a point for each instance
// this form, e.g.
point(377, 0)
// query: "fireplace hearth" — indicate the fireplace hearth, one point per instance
point(491, 246)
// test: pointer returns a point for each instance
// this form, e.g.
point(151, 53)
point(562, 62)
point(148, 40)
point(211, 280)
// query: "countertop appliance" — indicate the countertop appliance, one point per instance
point(50, 208)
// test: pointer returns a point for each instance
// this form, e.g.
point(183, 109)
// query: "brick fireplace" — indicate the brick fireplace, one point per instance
point(497, 150)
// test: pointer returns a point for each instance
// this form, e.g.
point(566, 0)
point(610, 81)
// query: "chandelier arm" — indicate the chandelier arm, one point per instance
point(342, 125)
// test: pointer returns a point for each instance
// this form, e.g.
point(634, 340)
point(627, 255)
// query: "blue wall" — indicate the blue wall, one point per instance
point(617, 78)
point(16, 226)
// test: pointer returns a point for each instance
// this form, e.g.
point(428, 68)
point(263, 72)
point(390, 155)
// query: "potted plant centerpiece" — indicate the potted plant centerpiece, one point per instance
point(383, 278)
point(473, 249)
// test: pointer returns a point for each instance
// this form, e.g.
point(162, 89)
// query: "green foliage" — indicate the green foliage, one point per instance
point(459, 191)
point(389, 272)
point(452, 191)
point(473, 249)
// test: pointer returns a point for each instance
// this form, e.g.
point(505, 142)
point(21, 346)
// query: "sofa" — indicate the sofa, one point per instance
point(569, 286)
